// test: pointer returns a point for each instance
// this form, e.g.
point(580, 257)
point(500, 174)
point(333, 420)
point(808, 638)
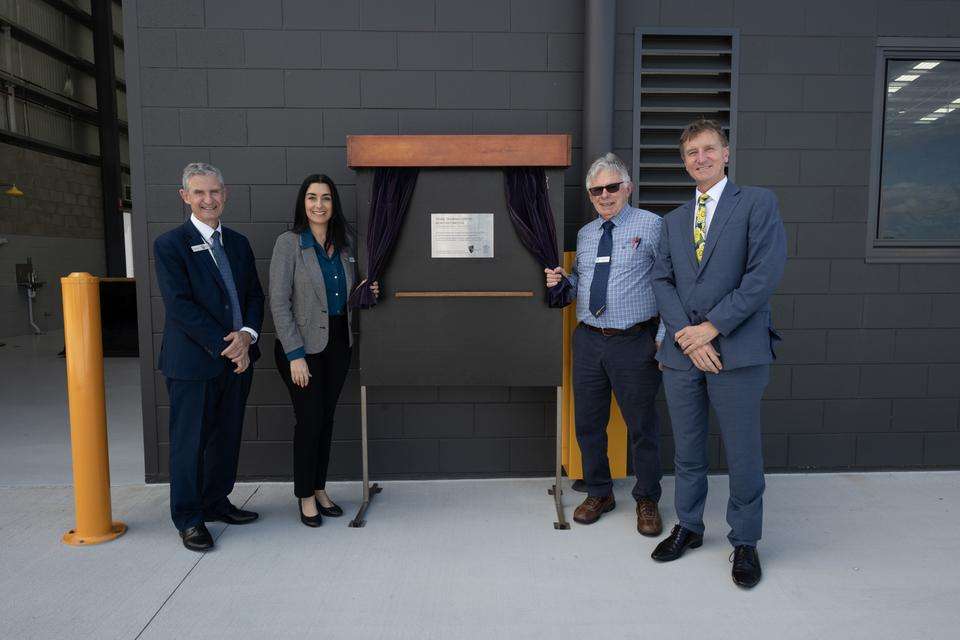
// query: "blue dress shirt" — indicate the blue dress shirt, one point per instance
point(630, 299)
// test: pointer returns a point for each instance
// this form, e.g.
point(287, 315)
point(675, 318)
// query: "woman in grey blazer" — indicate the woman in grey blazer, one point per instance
point(312, 272)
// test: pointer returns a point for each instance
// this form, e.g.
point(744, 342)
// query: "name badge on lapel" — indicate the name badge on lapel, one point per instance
point(350, 259)
point(199, 247)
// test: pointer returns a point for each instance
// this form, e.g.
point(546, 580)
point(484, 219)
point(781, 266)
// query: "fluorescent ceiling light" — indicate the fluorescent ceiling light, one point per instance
point(930, 64)
point(907, 77)
point(930, 118)
point(921, 122)
point(943, 110)
point(957, 101)
point(893, 88)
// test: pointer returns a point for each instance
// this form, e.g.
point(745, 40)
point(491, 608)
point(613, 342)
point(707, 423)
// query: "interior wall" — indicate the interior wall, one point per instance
point(58, 223)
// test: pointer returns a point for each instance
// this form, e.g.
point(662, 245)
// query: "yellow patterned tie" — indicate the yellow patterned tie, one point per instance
point(699, 226)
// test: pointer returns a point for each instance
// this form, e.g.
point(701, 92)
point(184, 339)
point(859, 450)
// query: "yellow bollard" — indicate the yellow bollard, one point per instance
point(88, 412)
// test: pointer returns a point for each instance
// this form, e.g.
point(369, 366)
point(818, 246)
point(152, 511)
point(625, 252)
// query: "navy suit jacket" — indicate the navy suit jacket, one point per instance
point(197, 305)
point(743, 261)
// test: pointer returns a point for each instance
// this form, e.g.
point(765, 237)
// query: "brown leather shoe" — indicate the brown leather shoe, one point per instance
point(592, 508)
point(648, 518)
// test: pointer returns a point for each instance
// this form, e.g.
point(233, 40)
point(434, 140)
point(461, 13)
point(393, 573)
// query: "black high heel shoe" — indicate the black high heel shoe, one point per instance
point(310, 521)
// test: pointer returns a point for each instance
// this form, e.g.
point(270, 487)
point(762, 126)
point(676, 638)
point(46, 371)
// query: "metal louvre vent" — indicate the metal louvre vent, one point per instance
point(679, 76)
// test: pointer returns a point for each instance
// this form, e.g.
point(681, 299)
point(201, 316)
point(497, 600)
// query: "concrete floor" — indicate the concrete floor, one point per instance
point(846, 556)
point(34, 423)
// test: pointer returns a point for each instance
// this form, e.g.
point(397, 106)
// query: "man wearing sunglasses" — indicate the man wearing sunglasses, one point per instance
point(615, 344)
point(721, 257)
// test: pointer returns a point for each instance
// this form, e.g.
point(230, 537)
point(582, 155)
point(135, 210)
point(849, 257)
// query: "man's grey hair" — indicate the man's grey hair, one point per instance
point(608, 161)
point(200, 169)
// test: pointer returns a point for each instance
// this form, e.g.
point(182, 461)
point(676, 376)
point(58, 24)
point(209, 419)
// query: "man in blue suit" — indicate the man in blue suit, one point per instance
point(214, 311)
point(721, 257)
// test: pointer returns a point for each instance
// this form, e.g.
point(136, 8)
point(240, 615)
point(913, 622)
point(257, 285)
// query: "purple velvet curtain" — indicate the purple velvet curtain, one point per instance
point(392, 190)
point(529, 205)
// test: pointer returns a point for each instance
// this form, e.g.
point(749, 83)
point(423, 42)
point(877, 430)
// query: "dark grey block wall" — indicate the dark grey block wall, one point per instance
point(269, 90)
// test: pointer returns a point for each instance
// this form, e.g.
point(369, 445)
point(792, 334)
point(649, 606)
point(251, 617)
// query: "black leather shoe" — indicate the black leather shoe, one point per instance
point(197, 538)
point(746, 566)
point(673, 546)
point(310, 521)
point(233, 516)
point(331, 512)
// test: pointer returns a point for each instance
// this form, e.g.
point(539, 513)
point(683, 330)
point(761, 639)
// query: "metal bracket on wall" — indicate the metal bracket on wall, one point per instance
point(29, 278)
point(368, 490)
point(557, 489)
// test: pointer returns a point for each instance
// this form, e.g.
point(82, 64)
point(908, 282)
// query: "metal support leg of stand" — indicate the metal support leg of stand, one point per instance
point(557, 489)
point(31, 294)
point(368, 490)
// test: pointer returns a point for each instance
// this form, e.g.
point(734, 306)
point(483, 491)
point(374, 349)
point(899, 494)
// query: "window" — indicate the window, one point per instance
point(914, 213)
point(679, 76)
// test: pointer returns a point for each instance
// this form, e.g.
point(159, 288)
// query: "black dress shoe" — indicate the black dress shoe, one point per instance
point(197, 538)
point(746, 566)
point(673, 546)
point(233, 516)
point(331, 512)
point(310, 521)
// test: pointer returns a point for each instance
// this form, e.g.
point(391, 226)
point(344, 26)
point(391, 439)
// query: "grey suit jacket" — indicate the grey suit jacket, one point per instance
point(743, 261)
point(298, 296)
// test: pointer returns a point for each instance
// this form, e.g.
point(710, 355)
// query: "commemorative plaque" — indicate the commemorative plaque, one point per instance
point(461, 235)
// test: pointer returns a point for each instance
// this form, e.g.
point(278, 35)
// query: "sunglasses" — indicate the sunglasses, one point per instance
point(611, 188)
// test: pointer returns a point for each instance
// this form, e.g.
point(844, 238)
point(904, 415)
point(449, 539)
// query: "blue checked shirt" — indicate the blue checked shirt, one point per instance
point(630, 300)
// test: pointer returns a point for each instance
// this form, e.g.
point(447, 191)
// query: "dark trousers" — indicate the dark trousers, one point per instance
point(625, 364)
point(735, 396)
point(206, 424)
point(315, 405)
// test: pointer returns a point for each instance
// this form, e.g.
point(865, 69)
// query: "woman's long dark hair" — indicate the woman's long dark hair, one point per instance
point(339, 232)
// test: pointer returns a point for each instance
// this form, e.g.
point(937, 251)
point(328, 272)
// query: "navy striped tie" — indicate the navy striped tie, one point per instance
point(224, 265)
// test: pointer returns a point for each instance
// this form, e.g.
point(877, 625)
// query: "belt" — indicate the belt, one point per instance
point(640, 326)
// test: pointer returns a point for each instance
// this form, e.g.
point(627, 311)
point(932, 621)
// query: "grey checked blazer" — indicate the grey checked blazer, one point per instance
point(298, 296)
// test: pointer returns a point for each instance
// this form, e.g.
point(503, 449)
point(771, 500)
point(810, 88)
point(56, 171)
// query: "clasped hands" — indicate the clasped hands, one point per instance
point(238, 351)
point(695, 342)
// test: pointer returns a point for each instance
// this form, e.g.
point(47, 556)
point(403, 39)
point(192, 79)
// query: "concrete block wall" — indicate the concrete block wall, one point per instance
point(269, 90)
point(863, 378)
point(58, 223)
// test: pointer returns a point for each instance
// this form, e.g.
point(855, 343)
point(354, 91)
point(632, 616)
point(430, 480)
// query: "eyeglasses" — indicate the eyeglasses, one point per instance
point(611, 188)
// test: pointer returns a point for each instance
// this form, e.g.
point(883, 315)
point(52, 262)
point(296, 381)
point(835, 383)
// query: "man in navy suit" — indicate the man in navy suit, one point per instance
point(214, 311)
point(721, 257)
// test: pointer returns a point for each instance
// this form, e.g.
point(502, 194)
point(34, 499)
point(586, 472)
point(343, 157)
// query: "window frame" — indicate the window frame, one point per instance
point(903, 251)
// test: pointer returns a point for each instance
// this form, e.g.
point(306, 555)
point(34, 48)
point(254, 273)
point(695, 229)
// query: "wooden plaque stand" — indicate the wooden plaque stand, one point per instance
point(456, 152)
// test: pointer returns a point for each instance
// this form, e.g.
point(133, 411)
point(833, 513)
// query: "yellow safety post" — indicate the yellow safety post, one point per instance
point(88, 412)
point(616, 428)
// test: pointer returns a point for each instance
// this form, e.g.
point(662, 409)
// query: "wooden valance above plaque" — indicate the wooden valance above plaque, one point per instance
point(536, 150)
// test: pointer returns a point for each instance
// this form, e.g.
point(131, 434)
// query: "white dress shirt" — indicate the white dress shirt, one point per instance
point(207, 232)
point(714, 193)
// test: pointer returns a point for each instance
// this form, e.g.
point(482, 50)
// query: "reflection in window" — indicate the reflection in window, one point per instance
point(919, 182)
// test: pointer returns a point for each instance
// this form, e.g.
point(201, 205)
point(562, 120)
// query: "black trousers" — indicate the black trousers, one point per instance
point(206, 423)
point(315, 405)
point(624, 364)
